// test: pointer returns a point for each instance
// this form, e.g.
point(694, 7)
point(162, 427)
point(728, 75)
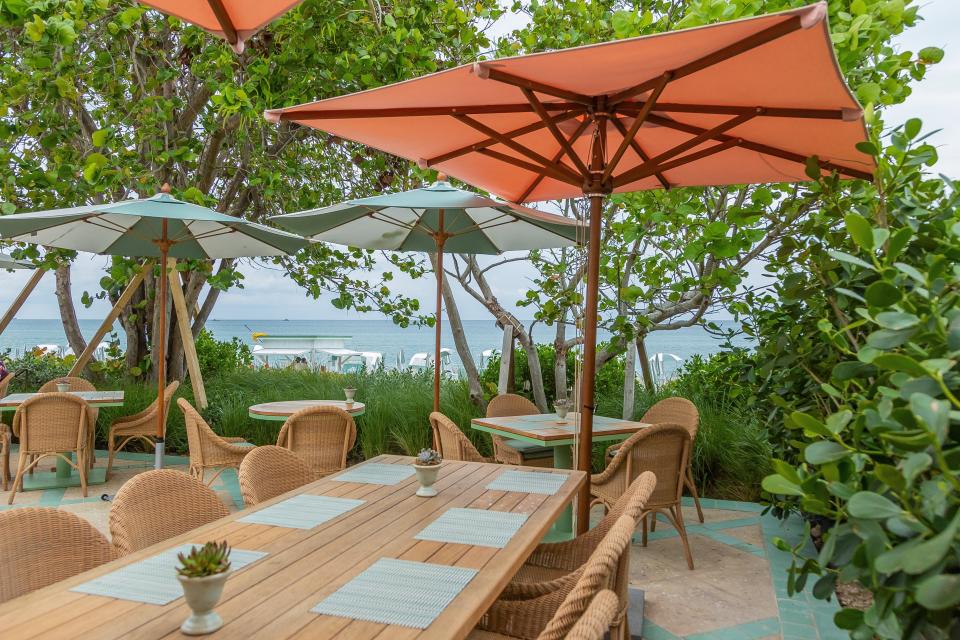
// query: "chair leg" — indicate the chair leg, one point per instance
point(83, 459)
point(643, 537)
point(688, 480)
point(675, 514)
point(22, 467)
point(5, 462)
point(111, 452)
point(653, 521)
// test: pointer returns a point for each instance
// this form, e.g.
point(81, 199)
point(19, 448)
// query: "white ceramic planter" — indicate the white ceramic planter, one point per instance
point(349, 393)
point(202, 595)
point(426, 476)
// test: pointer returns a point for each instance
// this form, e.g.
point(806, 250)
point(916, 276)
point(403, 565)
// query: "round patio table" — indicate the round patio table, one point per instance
point(285, 408)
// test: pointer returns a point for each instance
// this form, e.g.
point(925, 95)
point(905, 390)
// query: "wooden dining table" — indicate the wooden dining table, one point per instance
point(273, 597)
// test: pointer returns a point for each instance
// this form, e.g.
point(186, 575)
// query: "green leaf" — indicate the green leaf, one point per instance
point(825, 451)
point(779, 485)
point(846, 257)
point(932, 413)
point(897, 320)
point(808, 423)
point(389, 20)
point(812, 168)
point(860, 230)
point(888, 338)
point(882, 294)
point(928, 553)
point(912, 127)
point(872, 506)
point(99, 137)
point(930, 55)
point(868, 92)
point(939, 592)
point(899, 362)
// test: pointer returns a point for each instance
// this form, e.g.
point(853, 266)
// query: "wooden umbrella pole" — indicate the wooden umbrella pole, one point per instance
point(21, 298)
point(162, 347)
point(440, 238)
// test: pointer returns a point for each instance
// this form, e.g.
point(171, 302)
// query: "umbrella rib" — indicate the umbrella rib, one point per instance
point(404, 112)
point(559, 154)
point(557, 167)
point(769, 34)
point(672, 164)
point(638, 121)
point(628, 108)
point(638, 150)
point(532, 85)
point(761, 148)
point(530, 128)
point(644, 170)
point(223, 18)
point(555, 131)
point(517, 162)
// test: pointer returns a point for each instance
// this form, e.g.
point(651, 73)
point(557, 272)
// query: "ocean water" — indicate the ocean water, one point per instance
point(367, 335)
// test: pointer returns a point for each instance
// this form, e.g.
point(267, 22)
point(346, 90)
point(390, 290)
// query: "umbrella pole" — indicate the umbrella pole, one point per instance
point(162, 348)
point(440, 237)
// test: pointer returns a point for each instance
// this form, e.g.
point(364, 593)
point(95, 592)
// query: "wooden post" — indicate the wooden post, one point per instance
point(629, 380)
point(186, 335)
point(122, 301)
point(506, 360)
point(21, 298)
point(645, 365)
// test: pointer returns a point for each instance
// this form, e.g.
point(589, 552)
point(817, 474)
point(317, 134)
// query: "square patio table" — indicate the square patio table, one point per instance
point(274, 598)
point(547, 430)
point(64, 476)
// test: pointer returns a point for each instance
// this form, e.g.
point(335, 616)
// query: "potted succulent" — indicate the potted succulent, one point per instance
point(427, 466)
point(202, 573)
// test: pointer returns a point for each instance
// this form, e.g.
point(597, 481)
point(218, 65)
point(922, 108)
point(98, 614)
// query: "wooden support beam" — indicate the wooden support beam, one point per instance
point(629, 380)
point(485, 71)
point(186, 335)
point(407, 112)
point(556, 157)
point(226, 24)
point(81, 362)
point(516, 133)
point(555, 131)
point(762, 148)
point(632, 176)
point(638, 121)
point(505, 382)
point(528, 166)
point(637, 149)
point(28, 288)
point(630, 108)
point(556, 167)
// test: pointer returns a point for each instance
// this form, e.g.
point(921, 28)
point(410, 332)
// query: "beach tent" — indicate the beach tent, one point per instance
point(746, 101)
point(434, 219)
point(160, 228)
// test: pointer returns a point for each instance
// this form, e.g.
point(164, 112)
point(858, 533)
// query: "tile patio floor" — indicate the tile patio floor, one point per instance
point(736, 592)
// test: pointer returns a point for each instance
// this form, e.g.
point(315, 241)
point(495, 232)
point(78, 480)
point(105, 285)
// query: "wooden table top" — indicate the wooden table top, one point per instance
point(95, 398)
point(547, 428)
point(272, 598)
point(286, 408)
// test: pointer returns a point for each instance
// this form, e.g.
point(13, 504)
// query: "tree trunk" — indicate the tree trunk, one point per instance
point(560, 361)
point(645, 364)
point(536, 373)
point(460, 341)
point(68, 313)
point(629, 381)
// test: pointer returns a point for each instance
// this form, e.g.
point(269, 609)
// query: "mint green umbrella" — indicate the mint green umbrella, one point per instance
point(7, 262)
point(157, 227)
point(437, 218)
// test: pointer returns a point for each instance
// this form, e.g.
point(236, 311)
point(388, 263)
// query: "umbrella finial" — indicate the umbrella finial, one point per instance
point(442, 177)
point(165, 188)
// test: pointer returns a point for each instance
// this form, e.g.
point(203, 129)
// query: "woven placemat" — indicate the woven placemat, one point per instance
point(528, 482)
point(477, 527)
point(153, 580)
point(376, 473)
point(400, 592)
point(302, 512)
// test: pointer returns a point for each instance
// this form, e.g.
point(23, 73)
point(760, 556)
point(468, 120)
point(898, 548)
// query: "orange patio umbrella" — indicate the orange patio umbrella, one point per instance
point(233, 20)
point(740, 102)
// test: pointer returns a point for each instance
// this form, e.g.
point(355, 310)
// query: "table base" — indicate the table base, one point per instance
point(41, 480)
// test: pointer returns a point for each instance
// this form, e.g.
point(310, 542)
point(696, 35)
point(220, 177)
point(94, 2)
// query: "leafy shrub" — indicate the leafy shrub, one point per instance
point(34, 368)
point(875, 442)
point(220, 356)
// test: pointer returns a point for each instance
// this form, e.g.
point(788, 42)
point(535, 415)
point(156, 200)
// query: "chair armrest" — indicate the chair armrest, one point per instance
point(232, 439)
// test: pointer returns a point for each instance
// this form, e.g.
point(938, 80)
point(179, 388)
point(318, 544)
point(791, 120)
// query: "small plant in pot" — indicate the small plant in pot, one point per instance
point(202, 573)
point(427, 466)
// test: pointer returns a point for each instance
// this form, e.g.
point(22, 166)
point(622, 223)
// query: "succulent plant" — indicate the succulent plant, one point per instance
point(208, 560)
point(428, 457)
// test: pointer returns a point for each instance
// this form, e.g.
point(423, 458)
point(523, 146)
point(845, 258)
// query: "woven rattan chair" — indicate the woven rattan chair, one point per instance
point(5, 438)
point(51, 424)
point(663, 449)
point(207, 449)
point(267, 472)
point(596, 620)
point(41, 546)
point(322, 436)
point(139, 426)
point(680, 411)
point(452, 443)
point(78, 384)
point(157, 505)
point(517, 451)
point(547, 610)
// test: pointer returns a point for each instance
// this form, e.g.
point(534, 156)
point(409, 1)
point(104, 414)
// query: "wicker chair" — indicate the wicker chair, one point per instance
point(680, 411)
point(452, 443)
point(267, 472)
point(547, 610)
point(595, 621)
point(207, 449)
point(51, 424)
point(78, 384)
point(157, 505)
point(139, 426)
point(322, 436)
point(517, 451)
point(662, 449)
point(5, 438)
point(41, 546)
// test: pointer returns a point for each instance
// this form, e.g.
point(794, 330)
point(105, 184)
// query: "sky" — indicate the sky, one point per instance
point(268, 294)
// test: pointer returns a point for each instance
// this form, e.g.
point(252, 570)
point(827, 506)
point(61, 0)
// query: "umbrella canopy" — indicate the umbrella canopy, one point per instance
point(437, 218)
point(157, 227)
point(747, 101)
point(6, 262)
point(233, 20)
